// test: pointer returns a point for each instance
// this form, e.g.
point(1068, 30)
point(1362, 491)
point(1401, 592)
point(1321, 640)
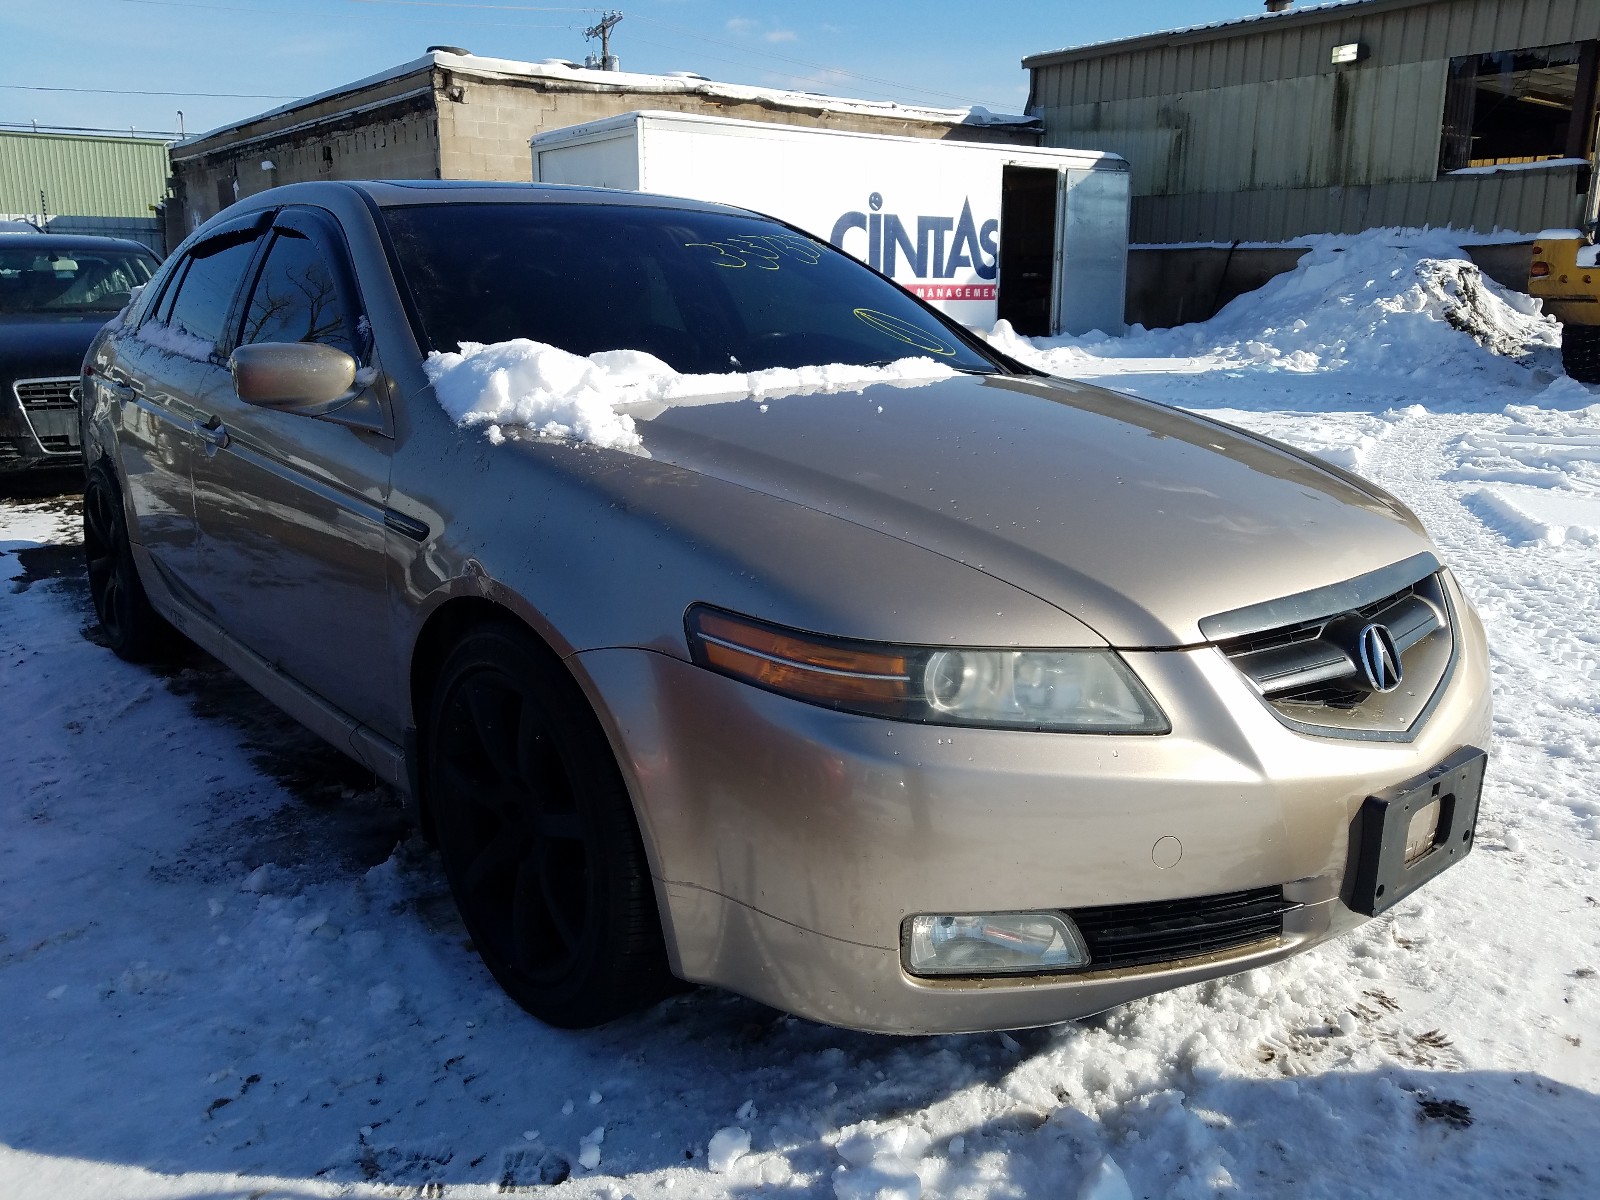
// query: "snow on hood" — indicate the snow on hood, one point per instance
point(1370, 301)
point(558, 394)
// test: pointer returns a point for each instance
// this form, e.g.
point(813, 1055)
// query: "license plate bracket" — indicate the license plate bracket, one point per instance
point(1378, 877)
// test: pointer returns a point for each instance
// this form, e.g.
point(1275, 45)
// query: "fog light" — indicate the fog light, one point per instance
point(992, 944)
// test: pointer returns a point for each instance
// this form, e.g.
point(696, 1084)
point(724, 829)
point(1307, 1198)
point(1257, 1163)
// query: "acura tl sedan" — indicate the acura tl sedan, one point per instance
point(973, 699)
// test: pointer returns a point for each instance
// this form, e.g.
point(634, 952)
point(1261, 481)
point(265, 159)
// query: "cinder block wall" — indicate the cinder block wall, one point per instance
point(372, 146)
point(484, 125)
point(441, 123)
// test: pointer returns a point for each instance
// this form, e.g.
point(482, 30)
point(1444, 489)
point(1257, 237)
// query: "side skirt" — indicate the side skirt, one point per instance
point(379, 755)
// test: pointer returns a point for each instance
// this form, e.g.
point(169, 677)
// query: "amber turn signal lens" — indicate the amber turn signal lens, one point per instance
point(785, 661)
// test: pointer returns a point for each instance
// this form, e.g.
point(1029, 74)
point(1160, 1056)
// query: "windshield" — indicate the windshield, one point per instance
point(707, 293)
point(79, 279)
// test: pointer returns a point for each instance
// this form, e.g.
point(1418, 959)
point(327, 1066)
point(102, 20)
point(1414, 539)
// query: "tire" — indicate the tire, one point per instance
point(537, 834)
point(1580, 352)
point(133, 629)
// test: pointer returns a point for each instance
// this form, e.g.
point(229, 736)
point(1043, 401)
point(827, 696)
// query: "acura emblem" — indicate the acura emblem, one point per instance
point(1380, 661)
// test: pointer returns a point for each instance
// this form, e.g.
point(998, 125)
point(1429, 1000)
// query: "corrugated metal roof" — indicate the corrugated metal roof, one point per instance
point(1332, 10)
point(81, 176)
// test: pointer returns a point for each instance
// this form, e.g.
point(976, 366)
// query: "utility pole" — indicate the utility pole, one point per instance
point(602, 30)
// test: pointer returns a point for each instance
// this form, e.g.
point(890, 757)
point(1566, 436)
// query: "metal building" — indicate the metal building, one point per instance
point(76, 183)
point(455, 115)
point(1478, 115)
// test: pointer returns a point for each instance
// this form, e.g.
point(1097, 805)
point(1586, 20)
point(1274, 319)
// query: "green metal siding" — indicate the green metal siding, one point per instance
point(1250, 132)
point(81, 176)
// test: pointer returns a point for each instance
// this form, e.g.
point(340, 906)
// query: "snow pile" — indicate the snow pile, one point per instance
point(1388, 299)
point(558, 394)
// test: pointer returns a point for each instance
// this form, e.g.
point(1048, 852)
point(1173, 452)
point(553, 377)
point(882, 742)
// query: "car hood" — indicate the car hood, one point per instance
point(35, 344)
point(1136, 518)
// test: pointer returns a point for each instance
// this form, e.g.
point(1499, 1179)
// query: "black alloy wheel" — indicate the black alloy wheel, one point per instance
point(537, 834)
point(133, 629)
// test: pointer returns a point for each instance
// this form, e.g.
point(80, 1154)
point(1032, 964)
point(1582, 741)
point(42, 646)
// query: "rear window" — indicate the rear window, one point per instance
point(75, 280)
point(705, 292)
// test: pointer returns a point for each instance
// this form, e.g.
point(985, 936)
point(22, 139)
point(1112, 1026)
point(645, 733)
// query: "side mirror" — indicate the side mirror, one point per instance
point(292, 376)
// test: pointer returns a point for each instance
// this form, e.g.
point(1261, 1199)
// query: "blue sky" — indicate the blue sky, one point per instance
point(251, 55)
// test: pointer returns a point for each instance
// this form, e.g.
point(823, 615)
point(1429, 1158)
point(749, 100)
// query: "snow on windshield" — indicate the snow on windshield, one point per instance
point(562, 395)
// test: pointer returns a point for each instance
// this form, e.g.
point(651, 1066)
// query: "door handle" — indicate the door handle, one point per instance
point(213, 433)
point(116, 385)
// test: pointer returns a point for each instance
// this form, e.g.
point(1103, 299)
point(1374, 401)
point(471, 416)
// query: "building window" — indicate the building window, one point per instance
point(1520, 106)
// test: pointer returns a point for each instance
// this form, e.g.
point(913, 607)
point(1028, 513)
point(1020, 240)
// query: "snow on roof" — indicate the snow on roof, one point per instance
point(1187, 30)
point(678, 83)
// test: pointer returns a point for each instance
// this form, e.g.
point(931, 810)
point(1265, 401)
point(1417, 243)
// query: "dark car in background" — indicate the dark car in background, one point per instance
point(56, 291)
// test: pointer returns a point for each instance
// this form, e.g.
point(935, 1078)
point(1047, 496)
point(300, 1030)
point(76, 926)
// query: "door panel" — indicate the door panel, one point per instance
point(1092, 278)
point(155, 449)
point(291, 523)
point(290, 507)
point(160, 376)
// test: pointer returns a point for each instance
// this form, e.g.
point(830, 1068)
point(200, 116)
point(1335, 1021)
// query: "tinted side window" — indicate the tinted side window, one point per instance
point(173, 278)
point(207, 289)
point(296, 298)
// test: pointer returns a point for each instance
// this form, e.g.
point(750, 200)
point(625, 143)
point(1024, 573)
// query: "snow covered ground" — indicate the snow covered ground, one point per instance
point(217, 980)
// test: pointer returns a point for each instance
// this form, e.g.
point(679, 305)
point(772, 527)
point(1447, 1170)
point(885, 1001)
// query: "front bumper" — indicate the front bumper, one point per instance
point(789, 842)
point(43, 433)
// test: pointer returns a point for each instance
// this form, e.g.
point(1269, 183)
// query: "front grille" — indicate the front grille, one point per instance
point(1314, 662)
point(1302, 654)
point(57, 443)
point(1162, 931)
point(37, 394)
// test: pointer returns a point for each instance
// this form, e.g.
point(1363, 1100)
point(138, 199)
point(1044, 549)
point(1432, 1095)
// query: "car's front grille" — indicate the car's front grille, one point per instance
point(57, 443)
point(1161, 931)
point(1314, 662)
point(37, 394)
point(1309, 656)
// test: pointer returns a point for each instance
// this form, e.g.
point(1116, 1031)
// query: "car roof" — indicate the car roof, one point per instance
point(401, 193)
point(72, 241)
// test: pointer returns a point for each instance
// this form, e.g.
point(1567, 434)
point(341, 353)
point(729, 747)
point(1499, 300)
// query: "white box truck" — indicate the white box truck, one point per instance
point(979, 230)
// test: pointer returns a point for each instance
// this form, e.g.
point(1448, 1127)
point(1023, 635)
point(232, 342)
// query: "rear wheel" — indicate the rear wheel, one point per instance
point(133, 629)
point(537, 834)
point(1580, 352)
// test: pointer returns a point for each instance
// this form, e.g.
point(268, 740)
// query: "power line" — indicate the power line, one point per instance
point(291, 12)
point(496, 7)
point(742, 49)
point(27, 87)
point(35, 127)
point(801, 62)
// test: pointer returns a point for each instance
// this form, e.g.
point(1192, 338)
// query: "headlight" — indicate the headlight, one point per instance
point(1082, 691)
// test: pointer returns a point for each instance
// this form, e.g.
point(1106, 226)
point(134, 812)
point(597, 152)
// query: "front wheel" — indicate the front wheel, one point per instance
point(537, 834)
point(132, 627)
point(1580, 352)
